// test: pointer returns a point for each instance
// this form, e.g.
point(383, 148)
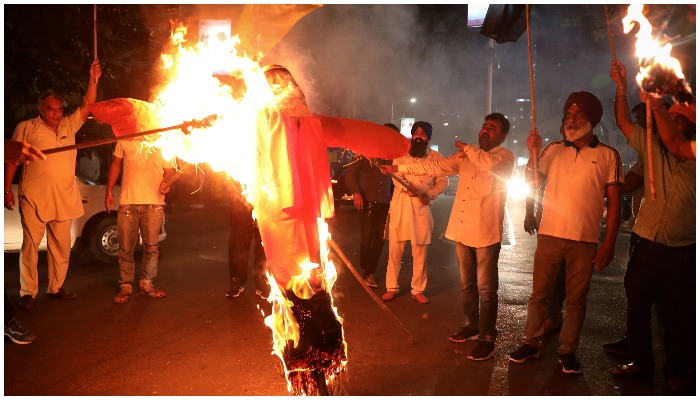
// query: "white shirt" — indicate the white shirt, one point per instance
point(575, 186)
point(142, 173)
point(477, 214)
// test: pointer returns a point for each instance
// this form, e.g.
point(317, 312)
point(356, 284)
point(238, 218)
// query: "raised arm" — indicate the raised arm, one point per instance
point(674, 140)
point(618, 73)
point(91, 92)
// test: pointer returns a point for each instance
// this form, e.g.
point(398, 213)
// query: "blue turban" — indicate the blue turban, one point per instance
point(427, 128)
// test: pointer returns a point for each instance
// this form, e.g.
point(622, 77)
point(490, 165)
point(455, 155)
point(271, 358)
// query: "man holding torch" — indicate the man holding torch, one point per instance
point(661, 269)
point(579, 173)
point(48, 194)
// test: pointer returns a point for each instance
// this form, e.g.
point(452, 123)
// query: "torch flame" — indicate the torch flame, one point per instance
point(653, 56)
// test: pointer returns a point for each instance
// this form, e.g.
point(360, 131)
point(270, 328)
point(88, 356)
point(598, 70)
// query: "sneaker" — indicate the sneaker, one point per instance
point(524, 354)
point(618, 348)
point(62, 293)
point(569, 364)
point(465, 334)
point(17, 333)
point(370, 281)
point(26, 302)
point(483, 351)
point(420, 298)
point(389, 296)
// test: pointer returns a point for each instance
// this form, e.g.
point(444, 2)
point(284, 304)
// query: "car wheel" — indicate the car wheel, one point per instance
point(104, 241)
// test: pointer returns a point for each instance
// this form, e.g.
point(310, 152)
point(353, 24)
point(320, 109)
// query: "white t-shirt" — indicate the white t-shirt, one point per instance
point(142, 173)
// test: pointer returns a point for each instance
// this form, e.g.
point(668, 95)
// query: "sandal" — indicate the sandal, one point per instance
point(152, 291)
point(123, 296)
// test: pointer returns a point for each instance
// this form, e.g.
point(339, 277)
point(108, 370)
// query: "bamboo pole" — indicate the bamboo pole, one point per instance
point(532, 100)
point(94, 33)
point(650, 164)
point(185, 126)
point(610, 35)
point(369, 291)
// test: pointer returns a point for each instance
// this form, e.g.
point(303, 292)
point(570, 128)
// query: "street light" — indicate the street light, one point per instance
point(412, 100)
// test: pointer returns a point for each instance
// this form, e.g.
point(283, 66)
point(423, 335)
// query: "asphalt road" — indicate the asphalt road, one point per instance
point(196, 341)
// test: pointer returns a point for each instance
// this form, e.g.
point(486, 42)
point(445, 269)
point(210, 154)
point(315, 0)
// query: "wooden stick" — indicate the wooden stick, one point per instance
point(532, 98)
point(94, 30)
point(650, 163)
point(374, 297)
point(184, 126)
point(610, 35)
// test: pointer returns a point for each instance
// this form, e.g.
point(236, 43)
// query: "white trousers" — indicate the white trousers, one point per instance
point(58, 241)
point(420, 268)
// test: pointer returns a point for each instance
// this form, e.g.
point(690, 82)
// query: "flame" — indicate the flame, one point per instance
point(210, 78)
point(285, 328)
point(652, 54)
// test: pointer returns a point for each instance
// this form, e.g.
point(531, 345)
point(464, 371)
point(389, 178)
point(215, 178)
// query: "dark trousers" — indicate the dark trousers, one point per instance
point(662, 275)
point(372, 223)
point(244, 231)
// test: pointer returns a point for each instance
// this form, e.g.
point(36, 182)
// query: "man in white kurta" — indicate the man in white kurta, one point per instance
point(410, 216)
point(476, 225)
point(48, 193)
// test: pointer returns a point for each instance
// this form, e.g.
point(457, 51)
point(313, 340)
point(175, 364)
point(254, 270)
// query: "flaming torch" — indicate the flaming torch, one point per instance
point(659, 73)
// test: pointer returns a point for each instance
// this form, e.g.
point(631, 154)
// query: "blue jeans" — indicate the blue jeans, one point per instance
point(551, 255)
point(132, 218)
point(478, 272)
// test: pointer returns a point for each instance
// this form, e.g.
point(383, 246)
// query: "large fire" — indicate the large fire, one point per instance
point(659, 72)
point(206, 78)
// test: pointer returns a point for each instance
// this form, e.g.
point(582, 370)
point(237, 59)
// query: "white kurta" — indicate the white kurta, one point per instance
point(409, 219)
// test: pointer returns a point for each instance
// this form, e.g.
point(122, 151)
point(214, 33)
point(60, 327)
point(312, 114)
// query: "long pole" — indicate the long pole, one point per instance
point(94, 32)
point(184, 126)
point(532, 99)
point(610, 35)
point(650, 164)
point(374, 297)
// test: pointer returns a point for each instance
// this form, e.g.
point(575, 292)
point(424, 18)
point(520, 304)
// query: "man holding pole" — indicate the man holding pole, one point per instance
point(661, 269)
point(579, 173)
point(410, 215)
point(48, 195)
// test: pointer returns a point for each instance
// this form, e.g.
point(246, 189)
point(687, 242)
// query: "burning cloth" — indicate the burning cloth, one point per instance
point(293, 196)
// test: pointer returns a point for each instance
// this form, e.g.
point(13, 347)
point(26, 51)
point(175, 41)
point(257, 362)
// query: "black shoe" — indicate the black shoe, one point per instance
point(17, 333)
point(569, 363)
point(524, 354)
point(465, 334)
point(618, 348)
point(62, 294)
point(483, 351)
point(26, 302)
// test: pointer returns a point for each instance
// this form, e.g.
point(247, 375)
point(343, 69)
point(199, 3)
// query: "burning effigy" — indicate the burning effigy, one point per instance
point(265, 137)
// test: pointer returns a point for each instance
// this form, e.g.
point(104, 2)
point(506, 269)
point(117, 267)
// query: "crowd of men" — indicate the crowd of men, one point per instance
point(581, 176)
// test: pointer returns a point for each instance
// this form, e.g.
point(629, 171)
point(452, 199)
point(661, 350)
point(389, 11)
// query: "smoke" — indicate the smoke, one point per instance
point(356, 60)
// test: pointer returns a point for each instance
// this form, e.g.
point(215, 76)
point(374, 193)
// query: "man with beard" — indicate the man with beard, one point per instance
point(410, 217)
point(476, 225)
point(578, 173)
point(661, 269)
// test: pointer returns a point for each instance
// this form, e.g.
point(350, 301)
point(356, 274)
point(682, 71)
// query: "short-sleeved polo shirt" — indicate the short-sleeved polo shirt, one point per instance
point(575, 187)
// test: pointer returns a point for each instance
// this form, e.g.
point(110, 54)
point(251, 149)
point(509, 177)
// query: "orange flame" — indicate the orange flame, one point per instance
point(193, 89)
point(650, 52)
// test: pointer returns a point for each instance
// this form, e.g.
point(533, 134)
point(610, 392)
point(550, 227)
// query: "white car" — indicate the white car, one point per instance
point(95, 231)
